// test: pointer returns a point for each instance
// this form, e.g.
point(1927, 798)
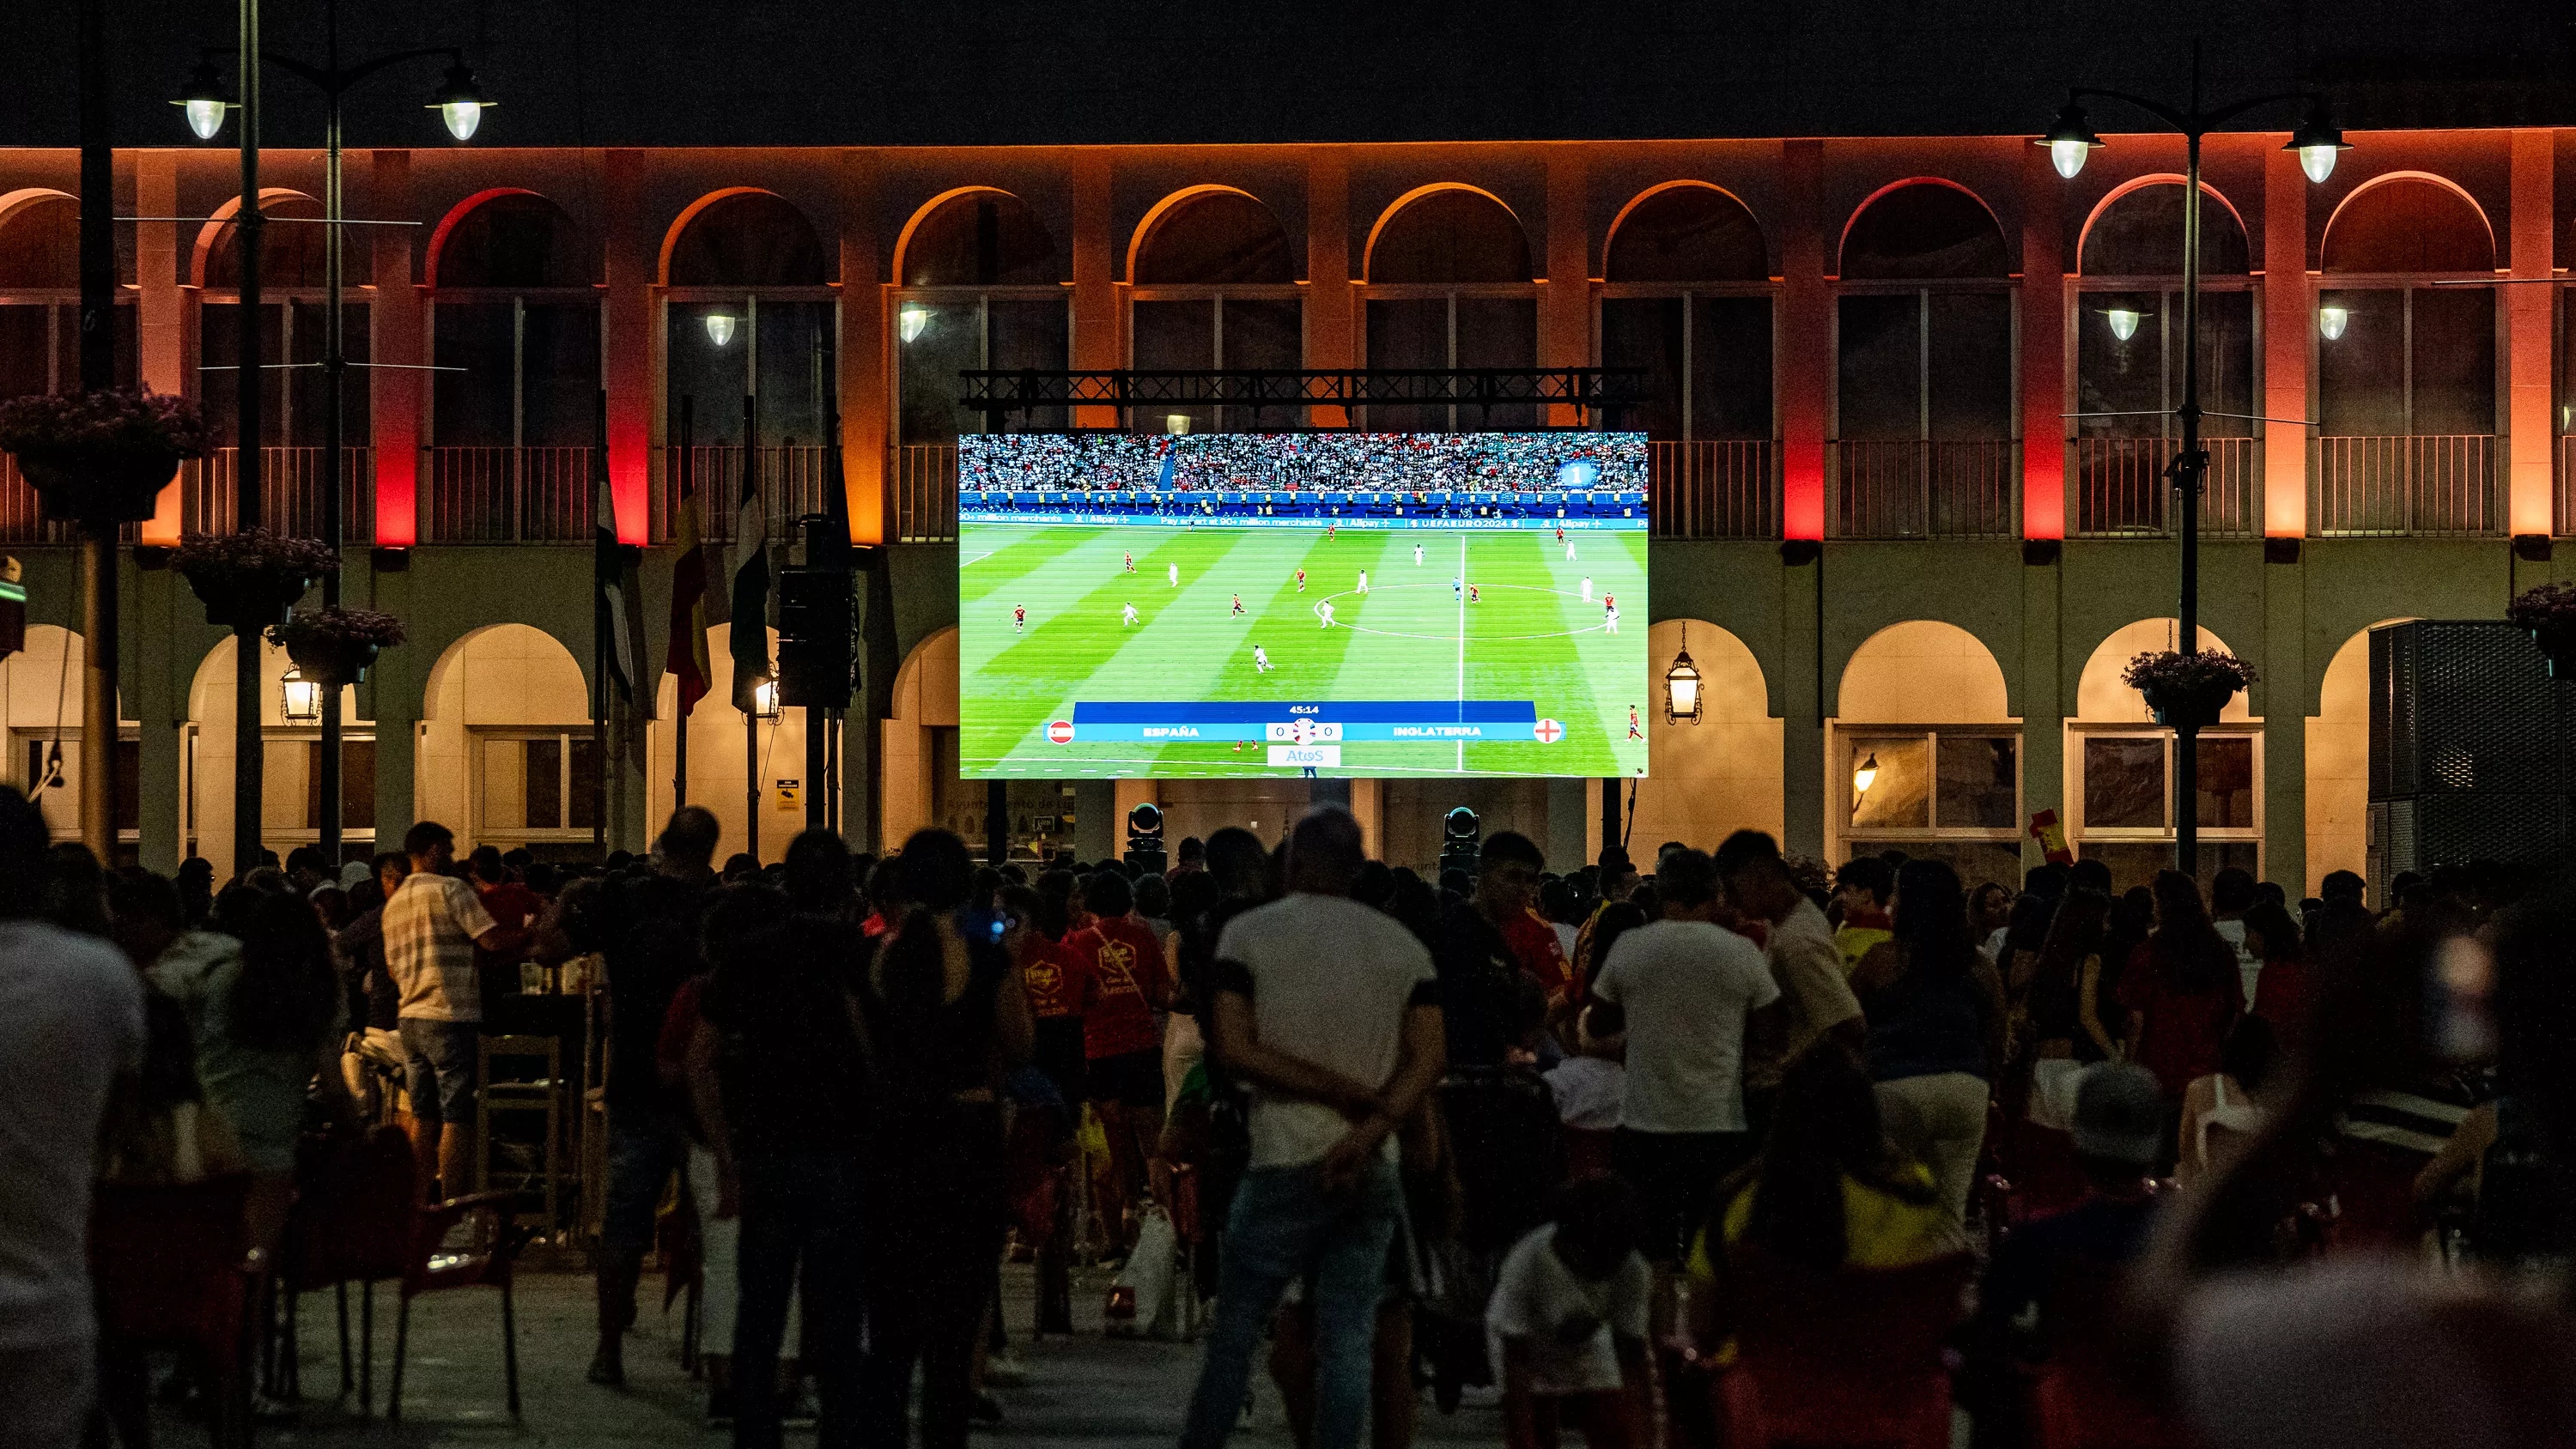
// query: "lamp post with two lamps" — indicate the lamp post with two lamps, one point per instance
point(2070, 141)
point(460, 103)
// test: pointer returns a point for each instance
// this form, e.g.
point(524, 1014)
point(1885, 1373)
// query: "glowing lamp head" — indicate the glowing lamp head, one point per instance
point(910, 322)
point(720, 327)
point(1176, 422)
point(764, 702)
point(205, 102)
point(459, 102)
point(1866, 775)
point(1682, 689)
point(2317, 142)
point(302, 698)
point(2070, 140)
point(2331, 321)
point(2123, 320)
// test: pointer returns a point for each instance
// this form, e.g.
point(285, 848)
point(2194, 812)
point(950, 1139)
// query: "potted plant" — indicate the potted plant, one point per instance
point(334, 646)
point(101, 457)
point(251, 578)
point(2548, 613)
point(2187, 689)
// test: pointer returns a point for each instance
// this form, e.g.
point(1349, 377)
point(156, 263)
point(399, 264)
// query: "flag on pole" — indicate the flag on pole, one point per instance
point(686, 658)
point(613, 576)
point(749, 576)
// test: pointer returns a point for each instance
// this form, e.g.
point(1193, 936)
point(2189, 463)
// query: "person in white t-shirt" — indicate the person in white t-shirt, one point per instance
point(71, 1025)
point(1566, 1326)
point(1337, 1046)
point(1684, 989)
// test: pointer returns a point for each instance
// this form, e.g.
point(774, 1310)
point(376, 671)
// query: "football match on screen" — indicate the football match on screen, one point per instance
point(1302, 604)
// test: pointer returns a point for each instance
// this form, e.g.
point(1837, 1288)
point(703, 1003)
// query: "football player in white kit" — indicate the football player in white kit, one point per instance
point(1417, 555)
point(1364, 581)
point(1174, 573)
point(1260, 661)
point(1325, 611)
point(1609, 616)
point(1127, 616)
point(1587, 588)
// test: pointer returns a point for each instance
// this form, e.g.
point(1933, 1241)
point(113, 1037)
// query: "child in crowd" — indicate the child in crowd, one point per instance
point(1567, 1323)
point(1862, 888)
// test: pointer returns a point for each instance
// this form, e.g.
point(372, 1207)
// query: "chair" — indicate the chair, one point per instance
point(352, 1222)
point(502, 1096)
point(168, 1270)
point(1850, 1359)
point(2092, 1391)
point(436, 1266)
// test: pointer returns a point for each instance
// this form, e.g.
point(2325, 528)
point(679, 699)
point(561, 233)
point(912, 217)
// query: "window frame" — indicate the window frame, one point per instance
point(1769, 289)
point(1533, 292)
point(1218, 293)
point(2409, 283)
point(983, 298)
point(2169, 289)
point(519, 297)
point(2009, 288)
point(2079, 826)
point(479, 830)
point(1844, 835)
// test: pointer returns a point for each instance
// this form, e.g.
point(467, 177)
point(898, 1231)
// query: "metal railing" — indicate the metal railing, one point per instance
point(2121, 490)
point(22, 516)
point(925, 492)
point(2421, 486)
point(1916, 489)
point(1714, 488)
point(509, 495)
point(793, 483)
point(290, 492)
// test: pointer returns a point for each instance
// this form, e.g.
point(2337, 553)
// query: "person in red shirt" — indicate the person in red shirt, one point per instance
point(2182, 991)
point(1054, 977)
point(1124, 982)
point(513, 906)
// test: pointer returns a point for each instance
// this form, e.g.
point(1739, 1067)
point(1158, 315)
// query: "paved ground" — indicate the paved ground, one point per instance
point(1087, 1391)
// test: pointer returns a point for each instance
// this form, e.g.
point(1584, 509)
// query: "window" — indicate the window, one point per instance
point(1215, 287)
point(40, 321)
point(2126, 807)
point(513, 307)
point(982, 288)
point(1449, 287)
point(57, 791)
point(1687, 299)
point(534, 786)
point(295, 760)
point(1951, 793)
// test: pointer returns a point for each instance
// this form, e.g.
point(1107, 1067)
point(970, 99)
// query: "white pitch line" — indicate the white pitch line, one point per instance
point(979, 558)
point(1462, 645)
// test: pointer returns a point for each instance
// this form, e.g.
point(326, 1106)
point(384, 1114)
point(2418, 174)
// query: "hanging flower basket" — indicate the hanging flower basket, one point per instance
point(249, 580)
point(2187, 691)
point(101, 457)
point(2548, 613)
point(334, 646)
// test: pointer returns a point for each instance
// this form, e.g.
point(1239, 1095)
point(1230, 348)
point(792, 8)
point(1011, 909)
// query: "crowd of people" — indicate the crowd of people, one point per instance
point(1562, 1137)
point(1525, 462)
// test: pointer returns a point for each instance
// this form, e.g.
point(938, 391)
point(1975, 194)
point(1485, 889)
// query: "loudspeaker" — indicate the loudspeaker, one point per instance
point(2468, 740)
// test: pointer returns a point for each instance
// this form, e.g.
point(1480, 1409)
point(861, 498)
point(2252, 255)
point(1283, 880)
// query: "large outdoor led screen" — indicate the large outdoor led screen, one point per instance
point(1362, 604)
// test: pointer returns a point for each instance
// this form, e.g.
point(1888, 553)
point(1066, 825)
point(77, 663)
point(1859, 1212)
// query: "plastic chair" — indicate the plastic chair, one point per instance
point(1845, 1360)
point(168, 1269)
point(504, 1095)
point(2093, 1391)
point(352, 1222)
point(434, 1266)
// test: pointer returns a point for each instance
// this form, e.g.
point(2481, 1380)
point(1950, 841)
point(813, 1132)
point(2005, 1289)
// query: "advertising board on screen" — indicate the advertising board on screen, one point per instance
point(1318, 604)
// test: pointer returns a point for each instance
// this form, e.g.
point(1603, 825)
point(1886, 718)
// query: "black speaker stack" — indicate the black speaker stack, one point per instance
point(2468, 748)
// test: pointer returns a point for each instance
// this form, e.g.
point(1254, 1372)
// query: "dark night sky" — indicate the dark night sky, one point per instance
point(988, 72)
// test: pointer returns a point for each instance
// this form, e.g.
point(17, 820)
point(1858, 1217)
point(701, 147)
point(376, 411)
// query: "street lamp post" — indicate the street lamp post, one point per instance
point(460, 104)
point(2069, 142)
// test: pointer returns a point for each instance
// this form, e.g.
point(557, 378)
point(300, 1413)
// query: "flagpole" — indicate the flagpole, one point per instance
point(759, 625)
point(600, 625)
point(688, 500)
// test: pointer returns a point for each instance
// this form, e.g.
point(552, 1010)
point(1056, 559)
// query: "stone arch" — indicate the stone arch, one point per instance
point(210, 776)
point(1966, 239)
point(40, 689)
point(2223, 225)
point(1923, 671)
point(1258, 252)
point(1723, 774)
point(2408, 221)
point(1685, 231)
point(716, 776)
point(742, 236)
point(1449, 203)
point(2100, 697)
point(290, 256)
point(925, 698)
point(567, 258)
point(497, 675)
point(1024, 251)
point(39, 239)
point(2338, 763)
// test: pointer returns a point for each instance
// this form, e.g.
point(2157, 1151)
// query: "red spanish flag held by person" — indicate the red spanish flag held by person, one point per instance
point(687, 655)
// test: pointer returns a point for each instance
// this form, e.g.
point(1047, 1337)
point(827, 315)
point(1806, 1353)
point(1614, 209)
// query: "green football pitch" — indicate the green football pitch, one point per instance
point(1531, 634)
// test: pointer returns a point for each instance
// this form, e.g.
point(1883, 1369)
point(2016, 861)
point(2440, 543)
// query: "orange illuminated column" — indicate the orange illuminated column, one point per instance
point(634, 252)
point(1095, 291)
point(1806, 340)
point(2286, 328)
point(1566, 329)
point(161, 316)
point(863, 351)
point(395, 335)
point(2527, 325)
point(2043, 349)
point(1329, 294)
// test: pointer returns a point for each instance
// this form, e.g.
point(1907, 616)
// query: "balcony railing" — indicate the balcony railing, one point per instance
point(22, 518)
point(1714, 488)
point(2121, 490)
point(2423, 486)
point(925, 492)
point(290, 492)
point(1912, 489)
point(793, 482)
point(509, 495)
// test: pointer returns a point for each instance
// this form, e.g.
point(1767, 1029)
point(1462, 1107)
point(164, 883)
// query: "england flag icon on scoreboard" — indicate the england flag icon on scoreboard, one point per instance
point(1060, 732)
point(1549, 731)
